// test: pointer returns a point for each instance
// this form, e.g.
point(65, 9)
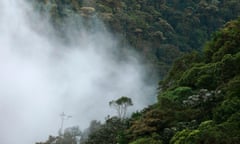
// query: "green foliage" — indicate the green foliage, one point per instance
point(202, 76)
point(231, 104)
point(230, 66)
point(151, 25)
point(123, 100)
point(220, 70)
point(225, 41)
point(109, 132)
point(199, 100)
point(151, 123)
point(209, 132)
point(233, 87)
point(178, 68)
point(226, 109)
point(222, 57)
point(185, 137)
point(146, 141)
point(178, 94)
point(121, 105)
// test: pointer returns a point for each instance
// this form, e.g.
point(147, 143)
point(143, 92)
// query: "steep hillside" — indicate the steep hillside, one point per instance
point(201, 92)
point(197, 103)
point(160, 30)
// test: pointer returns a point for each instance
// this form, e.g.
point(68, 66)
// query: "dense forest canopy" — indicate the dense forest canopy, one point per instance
point(198, 99)
point(161, 30)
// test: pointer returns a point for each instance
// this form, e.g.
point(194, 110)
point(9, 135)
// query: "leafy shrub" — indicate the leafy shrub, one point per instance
point(226, 109)
point(202, 76)
point(230, 66)
point(233, 87)
point(225, 41)
point(177, 94)
point(147, 140)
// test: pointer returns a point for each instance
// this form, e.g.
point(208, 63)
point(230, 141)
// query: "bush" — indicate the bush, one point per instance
point(202, 76)
point(147, 140)
point(226, 109)
point(177, 94)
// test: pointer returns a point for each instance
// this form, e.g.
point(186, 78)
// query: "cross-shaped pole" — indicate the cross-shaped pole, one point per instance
point(63, 118)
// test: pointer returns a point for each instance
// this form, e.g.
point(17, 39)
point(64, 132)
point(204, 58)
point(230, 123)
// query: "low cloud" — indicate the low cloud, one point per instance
point(41, 76)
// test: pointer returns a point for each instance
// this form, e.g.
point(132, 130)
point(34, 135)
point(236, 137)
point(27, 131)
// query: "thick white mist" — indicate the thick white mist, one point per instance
point(41, 77)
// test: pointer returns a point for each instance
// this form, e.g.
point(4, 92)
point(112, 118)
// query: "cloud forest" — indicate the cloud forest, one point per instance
point(120, 72)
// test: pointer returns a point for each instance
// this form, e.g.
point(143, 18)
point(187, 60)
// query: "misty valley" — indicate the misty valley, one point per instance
point(119, 72)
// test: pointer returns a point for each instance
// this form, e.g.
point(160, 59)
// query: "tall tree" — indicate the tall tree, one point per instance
point(121, 105)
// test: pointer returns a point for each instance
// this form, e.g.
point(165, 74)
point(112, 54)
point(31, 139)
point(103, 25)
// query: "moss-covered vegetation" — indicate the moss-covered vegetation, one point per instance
point(198, 102)
point(199, 98)
point(210, 88)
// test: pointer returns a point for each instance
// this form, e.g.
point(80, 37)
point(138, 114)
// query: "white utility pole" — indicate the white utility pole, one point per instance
point(63, 118)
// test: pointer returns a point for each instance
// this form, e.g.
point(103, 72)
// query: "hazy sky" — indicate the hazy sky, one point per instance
point(41, 77)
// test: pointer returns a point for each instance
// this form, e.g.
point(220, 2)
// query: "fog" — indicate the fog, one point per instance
point(42, 76)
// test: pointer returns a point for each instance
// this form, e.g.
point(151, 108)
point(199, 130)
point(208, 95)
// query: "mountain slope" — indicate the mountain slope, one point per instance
point(160, 30)
point(199, 100)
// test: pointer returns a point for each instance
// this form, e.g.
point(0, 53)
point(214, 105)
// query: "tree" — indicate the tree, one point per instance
point(71, 135)
point(110, 132)
point(121, 105)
